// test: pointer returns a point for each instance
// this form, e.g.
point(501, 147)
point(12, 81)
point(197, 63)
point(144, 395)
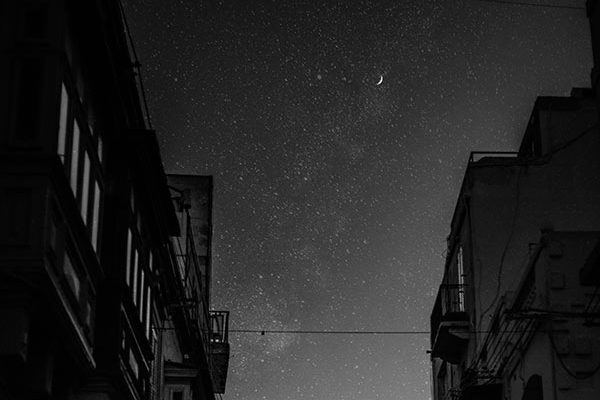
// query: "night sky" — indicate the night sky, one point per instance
point(333, 195)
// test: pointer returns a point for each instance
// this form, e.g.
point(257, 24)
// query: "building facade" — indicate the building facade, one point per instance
point(516, 315)
point(97, 298)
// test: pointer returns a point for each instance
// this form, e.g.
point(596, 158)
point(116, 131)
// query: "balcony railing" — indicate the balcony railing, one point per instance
point(449, 323)
point(219, 349)
point(210, 329)
point(219, 326)
point(450, 303)
point(194, 295)
point(453, 298)
point(477, 156)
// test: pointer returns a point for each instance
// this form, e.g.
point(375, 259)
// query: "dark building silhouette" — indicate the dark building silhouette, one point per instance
point(104, 263)
point(517, 315)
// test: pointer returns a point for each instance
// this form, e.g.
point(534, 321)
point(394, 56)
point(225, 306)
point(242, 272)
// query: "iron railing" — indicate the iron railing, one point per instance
point(193, 296)
point(475, 156)
point(219, 326)
point(449, 304)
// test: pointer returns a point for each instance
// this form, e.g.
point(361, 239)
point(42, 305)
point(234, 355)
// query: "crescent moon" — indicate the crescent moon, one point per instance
point(380, 80)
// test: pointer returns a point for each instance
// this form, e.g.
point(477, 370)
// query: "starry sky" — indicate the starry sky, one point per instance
point(333, 195)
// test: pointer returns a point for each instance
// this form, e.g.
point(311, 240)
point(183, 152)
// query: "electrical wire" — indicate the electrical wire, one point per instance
point(342, 332)
point(524, 3)
point(526, 334)
point(323, 332)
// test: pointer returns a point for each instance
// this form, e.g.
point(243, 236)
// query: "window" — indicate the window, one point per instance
point(75, 140)
point(128, 260)
point(139, 274)
point(85, 191)
point(99, 145)
point(96, 215)
point(133, 364)
point(135, 276)
point(74, 157)
point(148, 310)
point(461, 278)
point(88, 313)
point(62, 123)
point(71, 276)
point(141, 299)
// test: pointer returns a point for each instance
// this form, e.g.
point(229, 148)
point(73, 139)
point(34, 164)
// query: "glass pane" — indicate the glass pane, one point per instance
point(128, 263)
point(62, 123)
point(100, 148)
point(85, 188)
point(96, 216)
point(71, 276)
point(141, 300)
point(135, 276)
point(148, 310)
point(74, 158)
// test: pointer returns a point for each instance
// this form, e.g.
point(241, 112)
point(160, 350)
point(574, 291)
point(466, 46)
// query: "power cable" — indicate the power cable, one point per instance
point(323, 332)
point(341, 332)
point(527, 4)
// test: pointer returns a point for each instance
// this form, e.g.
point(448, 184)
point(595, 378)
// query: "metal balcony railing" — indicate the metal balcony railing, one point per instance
point(219, 349)
point(476, 156)
point(453, 298)
point(193, 294)
point(219, 326)
point(450, 301)
point(447, 319)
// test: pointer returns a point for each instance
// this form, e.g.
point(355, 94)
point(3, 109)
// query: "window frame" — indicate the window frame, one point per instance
point(76, 147)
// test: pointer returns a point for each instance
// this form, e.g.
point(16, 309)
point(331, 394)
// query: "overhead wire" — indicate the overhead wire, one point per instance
point(515, 341)
point(325, 332)
point(343, 332)
point(529, 4)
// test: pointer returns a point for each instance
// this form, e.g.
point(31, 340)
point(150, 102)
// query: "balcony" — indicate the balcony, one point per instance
point(219, 349)
point(492, 156)
point(449, 324)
